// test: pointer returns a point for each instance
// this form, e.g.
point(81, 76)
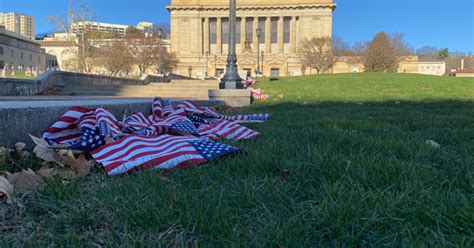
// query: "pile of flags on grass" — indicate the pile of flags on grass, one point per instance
point(171, 137)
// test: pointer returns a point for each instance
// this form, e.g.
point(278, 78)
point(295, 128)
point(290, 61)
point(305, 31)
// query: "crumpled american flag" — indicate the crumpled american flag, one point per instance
point(257, 94)
point(168, 138)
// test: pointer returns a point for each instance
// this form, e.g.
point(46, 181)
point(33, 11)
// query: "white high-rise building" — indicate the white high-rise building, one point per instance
point(119, 29)
point(19, 23)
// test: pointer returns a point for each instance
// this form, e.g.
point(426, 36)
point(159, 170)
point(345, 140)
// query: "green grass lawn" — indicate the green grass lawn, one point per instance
point(357, 172)
point(19, 74)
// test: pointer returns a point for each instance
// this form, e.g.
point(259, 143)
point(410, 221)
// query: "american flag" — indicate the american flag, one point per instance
point(227, 129)
point(169, 137)
point(256, 93)
point(162, 152)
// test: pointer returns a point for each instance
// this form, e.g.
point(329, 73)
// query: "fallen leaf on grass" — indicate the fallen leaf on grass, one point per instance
point(80, 165)
point(6, 190)
point(45, 170)
point(64, 157)
point(25, 180)
point(42, 150)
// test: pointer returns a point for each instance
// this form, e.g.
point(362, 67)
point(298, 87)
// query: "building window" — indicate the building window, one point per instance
point(275, 72)
point(12, 53)
point(249, 30)
point(213, 31)
point(286, 29)
point(225, 31)
point(31, 57)
point(238, 25)
point(1, 50)
point(261, 26)
point(21, 55)
point(219, 72)
point(274, 30)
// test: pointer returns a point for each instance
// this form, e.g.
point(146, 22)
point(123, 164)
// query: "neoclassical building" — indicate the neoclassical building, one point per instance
point(199, 34)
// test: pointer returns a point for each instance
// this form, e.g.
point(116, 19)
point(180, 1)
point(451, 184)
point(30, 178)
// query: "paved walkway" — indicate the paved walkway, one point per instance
point(66, 101)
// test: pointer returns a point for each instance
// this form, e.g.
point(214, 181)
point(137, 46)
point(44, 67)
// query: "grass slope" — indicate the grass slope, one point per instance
point(360, 174)
point(20, 74)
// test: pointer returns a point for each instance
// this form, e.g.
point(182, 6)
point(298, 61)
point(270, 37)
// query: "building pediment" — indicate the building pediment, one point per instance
point(275, 62)
point(247, 61)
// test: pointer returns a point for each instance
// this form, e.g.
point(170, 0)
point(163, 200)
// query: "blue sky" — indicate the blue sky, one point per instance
point(439, 23)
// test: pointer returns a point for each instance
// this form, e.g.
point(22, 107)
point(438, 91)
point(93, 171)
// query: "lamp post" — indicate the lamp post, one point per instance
point(262, 53)
point(231, 79)
point(207, 64)
point(259, 32)
point(160, 59)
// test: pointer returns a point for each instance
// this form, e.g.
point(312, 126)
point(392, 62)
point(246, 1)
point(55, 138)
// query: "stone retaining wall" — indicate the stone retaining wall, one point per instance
point(24, 87)
point(19, 87)
point(20, 118)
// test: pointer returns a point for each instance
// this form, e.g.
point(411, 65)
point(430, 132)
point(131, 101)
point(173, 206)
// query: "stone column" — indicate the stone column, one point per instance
point(219, 35)
point(293, 34)
point(268, 35)
point(206, 35)
point(281, 29)
point(254, 32)
point(243, 35)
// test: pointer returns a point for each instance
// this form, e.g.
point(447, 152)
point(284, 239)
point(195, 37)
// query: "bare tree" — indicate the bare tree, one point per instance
point(115, 57)
point(143, 50)
point(340, 47)
point(399, 46)
point(316, 53)
point(84, 47)
point(169, 60)
point(380, 55)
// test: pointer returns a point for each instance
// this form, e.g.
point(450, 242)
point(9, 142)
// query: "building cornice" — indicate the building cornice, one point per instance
point(253, 7)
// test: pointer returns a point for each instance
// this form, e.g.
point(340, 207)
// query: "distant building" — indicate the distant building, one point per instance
point(63, 46)
point(21, 52)
point(146, 27)
point(407, 64)
point(348, 64)
point(465, 73)
point(119, 29)
point(414, 64)
point(19, 23)
point(200, 34)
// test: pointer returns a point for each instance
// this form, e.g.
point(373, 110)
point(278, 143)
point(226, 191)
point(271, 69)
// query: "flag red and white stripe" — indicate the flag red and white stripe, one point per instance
point(136, 153)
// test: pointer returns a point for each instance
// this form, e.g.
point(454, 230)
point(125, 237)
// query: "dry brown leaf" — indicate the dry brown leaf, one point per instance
point(19, 147)
point(80, 165)
point(45, 170)
point(25, 180)
point(42, 150)
point(6, 190)
point(64, 157)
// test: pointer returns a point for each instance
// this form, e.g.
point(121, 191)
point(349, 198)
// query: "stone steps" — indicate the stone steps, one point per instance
point(182, 89)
